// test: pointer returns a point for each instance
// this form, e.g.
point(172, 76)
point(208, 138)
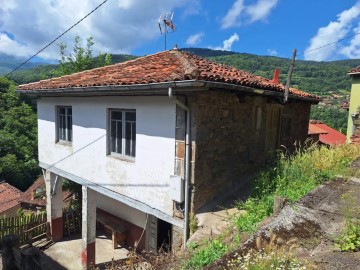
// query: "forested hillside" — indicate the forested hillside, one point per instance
point(310, 76)
point(18, 138)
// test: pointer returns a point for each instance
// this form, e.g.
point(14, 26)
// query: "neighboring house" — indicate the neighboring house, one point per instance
point(130, 132)
point(34, 198)
point(9, 196)
point(322, 133)
point(354, 102)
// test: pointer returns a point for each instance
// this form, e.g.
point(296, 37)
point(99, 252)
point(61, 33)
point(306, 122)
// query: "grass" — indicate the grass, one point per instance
point(292, 177)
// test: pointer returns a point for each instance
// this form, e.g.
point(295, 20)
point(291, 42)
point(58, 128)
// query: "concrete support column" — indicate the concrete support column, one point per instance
point(88, 227)
point(54, 205)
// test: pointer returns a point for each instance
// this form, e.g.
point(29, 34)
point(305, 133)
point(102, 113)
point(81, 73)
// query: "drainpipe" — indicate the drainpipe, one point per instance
point(187, 163)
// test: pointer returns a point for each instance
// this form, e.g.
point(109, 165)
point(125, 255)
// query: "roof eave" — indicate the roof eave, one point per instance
point(156, 89)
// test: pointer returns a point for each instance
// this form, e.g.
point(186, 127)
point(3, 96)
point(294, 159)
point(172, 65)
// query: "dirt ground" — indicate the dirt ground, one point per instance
point(314, 222)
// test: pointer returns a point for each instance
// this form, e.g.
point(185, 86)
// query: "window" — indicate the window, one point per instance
point(122, 139)
point(64, 124)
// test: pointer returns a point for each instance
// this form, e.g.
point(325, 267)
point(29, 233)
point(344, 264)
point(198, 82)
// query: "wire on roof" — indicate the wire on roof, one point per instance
point(59, 36)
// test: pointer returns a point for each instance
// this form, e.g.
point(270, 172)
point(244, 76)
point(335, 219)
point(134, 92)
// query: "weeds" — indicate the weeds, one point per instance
point(293, 177)
point(269, 255)
point(206, 255)
point(349, 239)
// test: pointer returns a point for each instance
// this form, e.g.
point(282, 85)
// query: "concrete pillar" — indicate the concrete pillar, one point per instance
point(54, 205)
point(88, 227)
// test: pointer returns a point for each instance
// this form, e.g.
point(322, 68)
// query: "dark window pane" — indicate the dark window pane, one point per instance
point(113, 137)
point(133, 139)
point(69, 127)
point(116, 115)
point(119, 137)
point(69, 111)
point(127, 138)
point(61, 110)
point(130, 116)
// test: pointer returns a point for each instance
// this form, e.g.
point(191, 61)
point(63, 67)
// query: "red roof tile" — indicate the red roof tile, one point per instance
point(9, 196)
point(40, 193)
point(331, 137)
point(167, 66)
point(313, 129)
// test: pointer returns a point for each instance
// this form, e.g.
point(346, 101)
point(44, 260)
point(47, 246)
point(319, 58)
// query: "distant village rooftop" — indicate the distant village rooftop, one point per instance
point(158, 71)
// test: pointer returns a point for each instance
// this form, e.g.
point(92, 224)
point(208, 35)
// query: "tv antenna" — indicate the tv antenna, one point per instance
point(166, 24)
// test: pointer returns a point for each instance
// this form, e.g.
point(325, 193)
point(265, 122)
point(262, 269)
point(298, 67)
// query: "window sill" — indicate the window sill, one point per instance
point(121, 157)
point(64, 143)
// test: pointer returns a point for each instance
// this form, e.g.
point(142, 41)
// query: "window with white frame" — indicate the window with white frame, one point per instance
point(64, 124)
point(122, 133)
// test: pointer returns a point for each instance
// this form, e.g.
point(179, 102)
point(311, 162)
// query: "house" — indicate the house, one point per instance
point(318, 131)
point(9, 196)
point(34, 198)
point(354, 102)
point(153, 140)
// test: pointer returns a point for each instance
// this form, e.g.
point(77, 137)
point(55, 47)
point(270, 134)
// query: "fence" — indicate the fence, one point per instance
point(26, 227)
point(72, 222)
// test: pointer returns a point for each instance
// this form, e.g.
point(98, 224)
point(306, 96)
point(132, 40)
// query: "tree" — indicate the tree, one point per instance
point(18, 138)
point(81, 59)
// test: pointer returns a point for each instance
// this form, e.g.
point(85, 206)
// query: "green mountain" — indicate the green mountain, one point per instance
point(320, 78)
point(42, 72)
point(9, 63)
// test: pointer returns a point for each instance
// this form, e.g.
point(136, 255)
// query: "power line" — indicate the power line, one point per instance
point(87, 15)
point(331, 43)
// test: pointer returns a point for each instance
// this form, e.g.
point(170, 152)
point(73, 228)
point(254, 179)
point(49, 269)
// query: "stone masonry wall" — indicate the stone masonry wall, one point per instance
point(230, 139)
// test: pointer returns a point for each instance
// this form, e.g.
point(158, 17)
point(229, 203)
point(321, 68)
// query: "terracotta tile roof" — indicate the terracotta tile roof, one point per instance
point(355, 70)
point(167, 66)
point(331, 136)
point(9, 196)
point(36, 193)
point(313, 129)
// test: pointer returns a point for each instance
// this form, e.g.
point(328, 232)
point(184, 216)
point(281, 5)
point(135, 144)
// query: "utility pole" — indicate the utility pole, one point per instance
point(166, 24)
point(292, 64)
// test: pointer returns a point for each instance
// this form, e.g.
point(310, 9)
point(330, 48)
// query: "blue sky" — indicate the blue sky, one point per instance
point(264, 27)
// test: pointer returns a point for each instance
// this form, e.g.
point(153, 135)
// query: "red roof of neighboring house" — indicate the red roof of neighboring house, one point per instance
point(38, 187)
point(167, 66)
point(330, 137)
point(314, 129)
point(9, 196)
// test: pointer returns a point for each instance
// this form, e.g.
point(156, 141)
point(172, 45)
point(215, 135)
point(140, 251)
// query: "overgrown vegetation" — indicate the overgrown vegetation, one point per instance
point(349, 239)
point(291, 177)
point(269, 255)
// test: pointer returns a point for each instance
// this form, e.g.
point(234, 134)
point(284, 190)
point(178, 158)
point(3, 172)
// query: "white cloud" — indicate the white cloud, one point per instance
point(272, 52)
point(240, 13)
point(260, 10)
point(332, 32)
point(227, 43)
point(231, 19)
point(352, 50)
point(194, 39)
point(118, 26)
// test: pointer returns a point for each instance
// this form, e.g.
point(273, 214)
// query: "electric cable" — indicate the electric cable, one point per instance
point(59, 36)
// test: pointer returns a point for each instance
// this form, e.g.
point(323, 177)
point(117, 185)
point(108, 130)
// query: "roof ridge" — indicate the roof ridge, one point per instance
point(190, 70)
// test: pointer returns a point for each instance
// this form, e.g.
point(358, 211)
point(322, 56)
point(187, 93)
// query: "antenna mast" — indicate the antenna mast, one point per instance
point(166, 24)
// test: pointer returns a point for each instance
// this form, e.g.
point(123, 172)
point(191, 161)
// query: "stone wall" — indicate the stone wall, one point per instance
point(231, 131)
